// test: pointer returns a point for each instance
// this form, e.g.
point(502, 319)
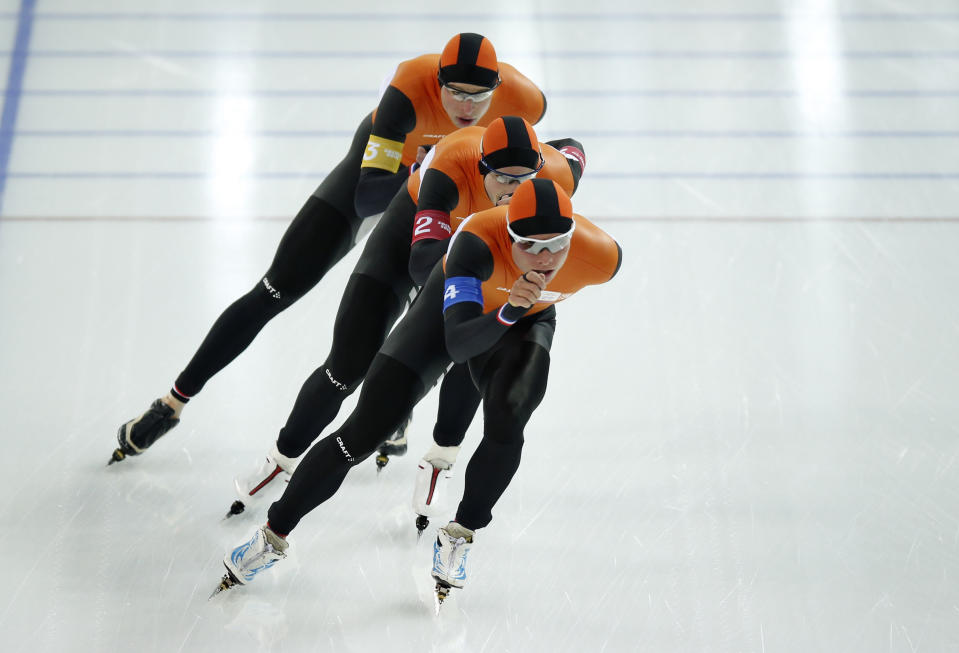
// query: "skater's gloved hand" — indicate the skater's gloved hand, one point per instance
point(525, 291)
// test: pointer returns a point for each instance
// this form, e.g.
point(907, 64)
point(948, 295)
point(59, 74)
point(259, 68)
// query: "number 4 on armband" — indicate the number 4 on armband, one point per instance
point(451, 292)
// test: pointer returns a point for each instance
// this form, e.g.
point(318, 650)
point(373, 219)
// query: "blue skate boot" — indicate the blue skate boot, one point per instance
point(453, 543)
point(244, 562)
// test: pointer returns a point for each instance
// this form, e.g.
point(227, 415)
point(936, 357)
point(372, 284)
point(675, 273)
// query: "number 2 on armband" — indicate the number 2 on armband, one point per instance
point(422, 225)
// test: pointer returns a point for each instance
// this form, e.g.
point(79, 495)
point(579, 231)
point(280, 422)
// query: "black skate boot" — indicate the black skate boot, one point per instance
point(138, 434)
point(395, 446)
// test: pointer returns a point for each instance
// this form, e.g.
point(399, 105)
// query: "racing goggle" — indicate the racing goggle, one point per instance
point(463, 96)
point(507, 178)
point(534, 246)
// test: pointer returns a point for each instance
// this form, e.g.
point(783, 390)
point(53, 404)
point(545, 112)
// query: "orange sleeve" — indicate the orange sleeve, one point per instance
point(556, 168)
point(517, 96)
point(463, 145)
point(595, 256)
point(410, 114)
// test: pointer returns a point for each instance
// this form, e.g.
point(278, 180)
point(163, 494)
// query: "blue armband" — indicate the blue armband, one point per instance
point(462, 289)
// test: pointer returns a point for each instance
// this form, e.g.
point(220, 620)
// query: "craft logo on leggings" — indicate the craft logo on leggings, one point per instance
point(343, 448)
point(270, 289)
point(338, 384)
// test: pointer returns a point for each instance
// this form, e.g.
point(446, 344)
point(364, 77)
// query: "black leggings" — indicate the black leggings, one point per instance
point(322, 232)
point(373, 300)
point(512, 379)
point(325, 466)
point(512, 385)
point(367, 311)
point(459, 399)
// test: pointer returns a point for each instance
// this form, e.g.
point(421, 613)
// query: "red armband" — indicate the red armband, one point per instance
point(575, 154)
point(431, 225)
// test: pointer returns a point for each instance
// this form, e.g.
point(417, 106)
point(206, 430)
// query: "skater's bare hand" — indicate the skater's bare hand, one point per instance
point(525, 291)
point(420, 154)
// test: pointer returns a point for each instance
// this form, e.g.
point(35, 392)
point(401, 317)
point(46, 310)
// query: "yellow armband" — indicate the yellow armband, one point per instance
point(383, 153)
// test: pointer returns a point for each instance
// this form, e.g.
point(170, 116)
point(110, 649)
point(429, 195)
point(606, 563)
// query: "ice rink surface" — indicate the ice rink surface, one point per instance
point(750, 438)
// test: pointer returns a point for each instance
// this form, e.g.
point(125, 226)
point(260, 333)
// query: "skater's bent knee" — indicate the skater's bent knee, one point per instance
point(275, 295)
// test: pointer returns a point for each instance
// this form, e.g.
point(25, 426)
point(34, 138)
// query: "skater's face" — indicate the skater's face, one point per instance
point(501, 183)
point(544, 261)
point(465, 104)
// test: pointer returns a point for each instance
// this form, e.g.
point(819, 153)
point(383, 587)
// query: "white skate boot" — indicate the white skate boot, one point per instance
point(244, 562)
point(432, 480)
point(453, 543)
point(267, 480)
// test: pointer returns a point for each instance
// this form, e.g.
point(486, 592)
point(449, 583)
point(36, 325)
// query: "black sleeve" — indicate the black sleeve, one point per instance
point(470, 332)
point(376, 189)
point(395, 115)
point(575, 166)
point(423, 256)
point(437, 193)
point(395, 118)
point(619, 260)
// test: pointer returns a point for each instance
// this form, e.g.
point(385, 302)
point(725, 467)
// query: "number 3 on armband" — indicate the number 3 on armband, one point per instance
point(372, 149)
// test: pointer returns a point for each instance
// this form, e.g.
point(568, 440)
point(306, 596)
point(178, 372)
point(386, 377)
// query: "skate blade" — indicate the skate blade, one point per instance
point(228, 581)
point(116, 456)
point(235, 509)
point(422, 521)
point(440, 593)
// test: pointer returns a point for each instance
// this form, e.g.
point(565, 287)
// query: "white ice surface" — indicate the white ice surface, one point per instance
point(749, 441)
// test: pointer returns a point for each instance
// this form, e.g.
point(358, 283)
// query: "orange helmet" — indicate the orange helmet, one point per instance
point(469, 59)
point(539, 206)
point(510, 141)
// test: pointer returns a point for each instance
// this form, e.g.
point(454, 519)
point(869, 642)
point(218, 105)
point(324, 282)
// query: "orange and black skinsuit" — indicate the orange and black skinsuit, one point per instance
point(461, 315)
point(447, 188)
point(409, 114)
